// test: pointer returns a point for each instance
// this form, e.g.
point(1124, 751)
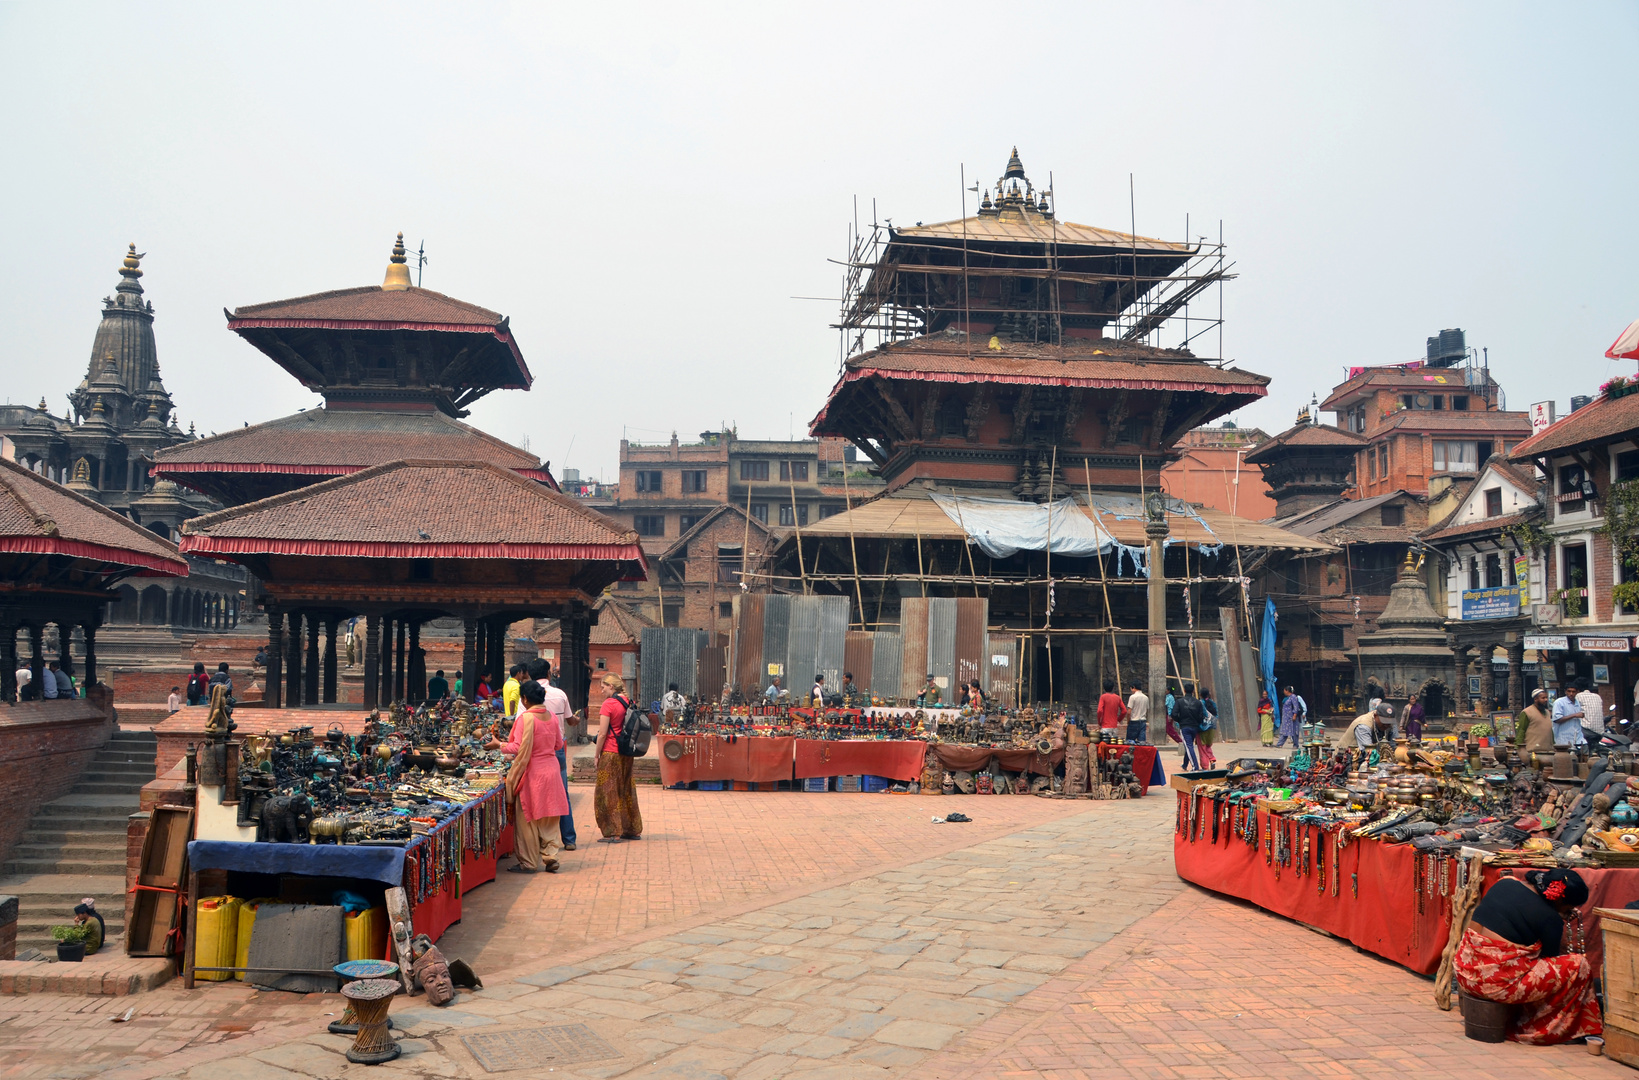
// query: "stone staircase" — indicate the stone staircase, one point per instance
point(75, 845)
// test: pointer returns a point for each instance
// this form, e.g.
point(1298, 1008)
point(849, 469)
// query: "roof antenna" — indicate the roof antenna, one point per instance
point(420, 261)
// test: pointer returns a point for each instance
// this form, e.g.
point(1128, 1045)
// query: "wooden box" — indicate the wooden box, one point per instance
point(1620, 928)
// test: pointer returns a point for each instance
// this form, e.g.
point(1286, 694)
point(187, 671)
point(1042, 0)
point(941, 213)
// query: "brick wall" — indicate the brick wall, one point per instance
point(44, 746)
point(1602, 569)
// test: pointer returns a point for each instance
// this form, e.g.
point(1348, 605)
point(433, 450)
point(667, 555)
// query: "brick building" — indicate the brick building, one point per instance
point(615, 645)
point(697, 578)
point(1211, 470)
point(1590, 461)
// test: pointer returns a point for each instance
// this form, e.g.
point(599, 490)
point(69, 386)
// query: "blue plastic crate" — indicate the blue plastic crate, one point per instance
point(710, 785)
point(816, 783)
point(875, 783)
point(847, 783)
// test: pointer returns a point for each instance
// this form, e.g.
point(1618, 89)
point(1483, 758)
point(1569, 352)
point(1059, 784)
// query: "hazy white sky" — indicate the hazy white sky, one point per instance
point(644, 190)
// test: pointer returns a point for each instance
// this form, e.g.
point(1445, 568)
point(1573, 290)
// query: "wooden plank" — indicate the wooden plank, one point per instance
point(400, 930)
point(160, 873)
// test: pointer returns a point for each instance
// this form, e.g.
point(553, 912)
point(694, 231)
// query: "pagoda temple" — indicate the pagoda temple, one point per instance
point(1014, 396)
point(383, 504)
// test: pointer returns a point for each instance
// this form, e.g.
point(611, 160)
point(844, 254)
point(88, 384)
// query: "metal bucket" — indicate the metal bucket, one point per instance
point(1484, 1021)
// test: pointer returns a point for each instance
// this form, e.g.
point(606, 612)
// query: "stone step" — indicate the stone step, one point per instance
point(96, 830)
point(108, 845)
point(132, 762)
point(123, 767)
point(85, 807)
point(62, 866)
point(42, 919)
point(129, 786)
point(133, 738)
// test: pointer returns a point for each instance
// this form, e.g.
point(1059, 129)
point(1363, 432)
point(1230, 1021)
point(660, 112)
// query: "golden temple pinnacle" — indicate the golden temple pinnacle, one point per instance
point(132, 261)
point(398, 270)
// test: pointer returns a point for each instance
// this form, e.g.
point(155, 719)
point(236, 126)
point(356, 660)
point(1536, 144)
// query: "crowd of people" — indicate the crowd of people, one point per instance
point(1191, 718)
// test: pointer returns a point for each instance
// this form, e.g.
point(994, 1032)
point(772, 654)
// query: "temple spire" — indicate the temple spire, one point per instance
point(398, 269)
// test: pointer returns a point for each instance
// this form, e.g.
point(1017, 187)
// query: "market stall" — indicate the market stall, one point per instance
point(1375, 847)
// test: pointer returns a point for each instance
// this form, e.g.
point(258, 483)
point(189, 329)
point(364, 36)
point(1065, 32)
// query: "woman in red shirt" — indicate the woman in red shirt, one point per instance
point(614, 799)
point(484, 692)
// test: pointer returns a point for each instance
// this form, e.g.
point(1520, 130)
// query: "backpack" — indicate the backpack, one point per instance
point(199, 685)
point(635, 730)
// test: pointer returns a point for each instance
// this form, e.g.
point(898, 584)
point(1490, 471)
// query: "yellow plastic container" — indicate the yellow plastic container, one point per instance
point(367, 934)
point(216, 938)
point(247, 923)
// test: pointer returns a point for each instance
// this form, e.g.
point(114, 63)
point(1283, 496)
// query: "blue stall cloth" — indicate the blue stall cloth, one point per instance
point(1158, 775)
point(383, 864)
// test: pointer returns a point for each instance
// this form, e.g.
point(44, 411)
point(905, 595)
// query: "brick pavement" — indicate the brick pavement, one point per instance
point(833, 937)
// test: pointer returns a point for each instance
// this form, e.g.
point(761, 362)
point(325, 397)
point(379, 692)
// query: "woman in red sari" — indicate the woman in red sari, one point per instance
point(534, 785)
point(1513, 953)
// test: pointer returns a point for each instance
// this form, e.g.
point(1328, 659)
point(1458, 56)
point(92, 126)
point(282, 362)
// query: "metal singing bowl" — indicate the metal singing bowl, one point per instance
point(672, 749)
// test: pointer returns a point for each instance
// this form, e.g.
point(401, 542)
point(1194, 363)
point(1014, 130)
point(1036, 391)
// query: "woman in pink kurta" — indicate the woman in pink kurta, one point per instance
point(534, 784)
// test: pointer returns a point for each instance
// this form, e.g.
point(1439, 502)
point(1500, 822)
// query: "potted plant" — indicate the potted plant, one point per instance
point(70, 941)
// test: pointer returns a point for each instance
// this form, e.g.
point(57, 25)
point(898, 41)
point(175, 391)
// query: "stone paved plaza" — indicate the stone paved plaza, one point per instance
point(756, 936)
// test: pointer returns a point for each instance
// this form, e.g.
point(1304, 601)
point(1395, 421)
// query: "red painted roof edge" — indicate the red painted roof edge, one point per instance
point(81, 549)
point(161, 468)
point(503, 336)
point(199, 544)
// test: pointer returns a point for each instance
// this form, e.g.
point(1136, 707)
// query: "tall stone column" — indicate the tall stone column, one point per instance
point(1155, 531)
point(1516, 676)
point(372, 662)
point(310, 683)
point(273, 691)
point(399, 681)
point(386, 653)
point(416, 689)
point(1488, 680)
point(469, 658)
point(1459, 679)
point(331, 645)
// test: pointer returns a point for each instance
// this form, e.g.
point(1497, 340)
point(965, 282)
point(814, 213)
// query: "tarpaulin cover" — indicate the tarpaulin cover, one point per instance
point(383, 864)
point(1383, 917)
point(1002, 527)
point(851, 757)
point(975, 758)
point(758, 760)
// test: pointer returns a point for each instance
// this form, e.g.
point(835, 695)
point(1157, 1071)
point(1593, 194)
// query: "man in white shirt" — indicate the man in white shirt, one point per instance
point(557, 703)
point(1138, 716)
point(672, 702)
point(819, 691)
point(25, 675)
point(1593, 707)
point(174, 702)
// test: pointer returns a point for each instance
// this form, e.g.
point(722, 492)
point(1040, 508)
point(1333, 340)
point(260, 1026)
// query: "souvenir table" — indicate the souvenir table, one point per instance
point(892, 758)
point(435, 869)
point(762, 759)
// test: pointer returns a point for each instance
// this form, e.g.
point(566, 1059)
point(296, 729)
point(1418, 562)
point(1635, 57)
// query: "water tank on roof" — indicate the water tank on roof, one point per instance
point(1579, 400)
point(1447, 348)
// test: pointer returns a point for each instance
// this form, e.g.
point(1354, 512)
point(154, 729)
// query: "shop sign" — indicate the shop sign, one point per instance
point(1522, 574)
point(1501, 602)
point(1545, 614)
point(1542, 415)
point(1547, 641)
point(1602, 644)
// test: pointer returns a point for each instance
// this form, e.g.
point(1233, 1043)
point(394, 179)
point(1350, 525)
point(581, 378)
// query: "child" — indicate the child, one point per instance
point(174, 702)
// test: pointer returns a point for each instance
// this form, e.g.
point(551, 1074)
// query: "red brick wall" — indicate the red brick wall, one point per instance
point(44, 746)
point(1603, 572)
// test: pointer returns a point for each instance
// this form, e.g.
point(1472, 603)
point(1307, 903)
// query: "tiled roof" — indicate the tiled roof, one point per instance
point(1605, 419)
point(334, 442)
point(617, 625)
point(1031, 228)
point(417, 509)
point(1305, 435)
point(1316, 521)
point(1483, 525)
point(1421, 377)
point(38, 516)
point(372, 303)
point(700, 526)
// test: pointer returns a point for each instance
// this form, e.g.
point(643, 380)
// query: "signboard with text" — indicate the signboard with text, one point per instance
point(1501, 602)
point(1547, 641)
point(1602, 644)
point(1542, 415)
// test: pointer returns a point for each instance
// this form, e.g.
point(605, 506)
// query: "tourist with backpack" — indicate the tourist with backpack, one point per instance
point(199, 685)
point(623, 734)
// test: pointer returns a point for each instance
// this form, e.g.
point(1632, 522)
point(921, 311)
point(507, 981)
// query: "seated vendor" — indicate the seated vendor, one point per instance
point(1513, 952)
point(86, 914)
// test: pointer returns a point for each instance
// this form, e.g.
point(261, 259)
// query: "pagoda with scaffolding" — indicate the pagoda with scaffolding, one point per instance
point(1007, 378)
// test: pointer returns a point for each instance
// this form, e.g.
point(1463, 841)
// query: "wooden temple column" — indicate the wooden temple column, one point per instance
point(37, 659)
point(400, 683)
point(497, 653)
point(310, 683)
point(575, 664)
point(331, 645)
point(293, 669)
point(1516, 676)
point(372, 662)
point(273, 691)
point(65, 647)
point(8, 662)
point(469, 658)
point(90, 676)
point(1488, 680)
point(416, 690)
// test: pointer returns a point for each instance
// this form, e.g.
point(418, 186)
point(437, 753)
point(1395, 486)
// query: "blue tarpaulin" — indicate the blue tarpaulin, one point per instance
point(1266, 648)
point(384, 864)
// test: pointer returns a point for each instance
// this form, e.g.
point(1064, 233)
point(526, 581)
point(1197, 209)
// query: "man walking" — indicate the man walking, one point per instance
point(1568, 719)
point(1138, 716)
point(1111, 708)
point(557, 703)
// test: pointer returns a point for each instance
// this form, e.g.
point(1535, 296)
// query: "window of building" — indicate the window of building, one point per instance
point(1627, 465)
point(753, 470)
point(1493, 571)
point(952, 417)
point(830, 510)
point(1392, 515)
point(725, 609)
point(1437, 402)
point(786, 517)
point(649, 480)
point(600, 664)
point(671, 615)
point(1132, 429)
point(1482, 452)
point(728, 563)
point(760, 511)
point(1570, 488)
point(793, 470)
point(1325, 637)
point(685, 522)
point(1576, 572)
point(694, 480)
point(1493, 502)
point(1371, 463)
point(1473, 571)
point(1454, 455)
point(650, 524)
point(1459, 402)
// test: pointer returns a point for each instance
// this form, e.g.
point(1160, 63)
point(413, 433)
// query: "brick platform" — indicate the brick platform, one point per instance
point(102, 975)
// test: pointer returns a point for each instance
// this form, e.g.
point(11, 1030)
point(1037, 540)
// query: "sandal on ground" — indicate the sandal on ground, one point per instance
point(569, 847)
point(609, 840)
point(550, 866)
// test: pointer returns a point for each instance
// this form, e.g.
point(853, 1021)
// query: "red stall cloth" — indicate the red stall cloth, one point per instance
point(755, 759)
point(477, 870)
point(439, 911)
point(854, 757)
point(1146, 762)
point(1385, 903)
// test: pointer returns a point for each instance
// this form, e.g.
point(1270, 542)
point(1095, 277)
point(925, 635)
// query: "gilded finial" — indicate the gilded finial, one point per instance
point(133, 260)
point(99, 408)
point(42, 403)
point(1015, 167)
point(398, 269)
